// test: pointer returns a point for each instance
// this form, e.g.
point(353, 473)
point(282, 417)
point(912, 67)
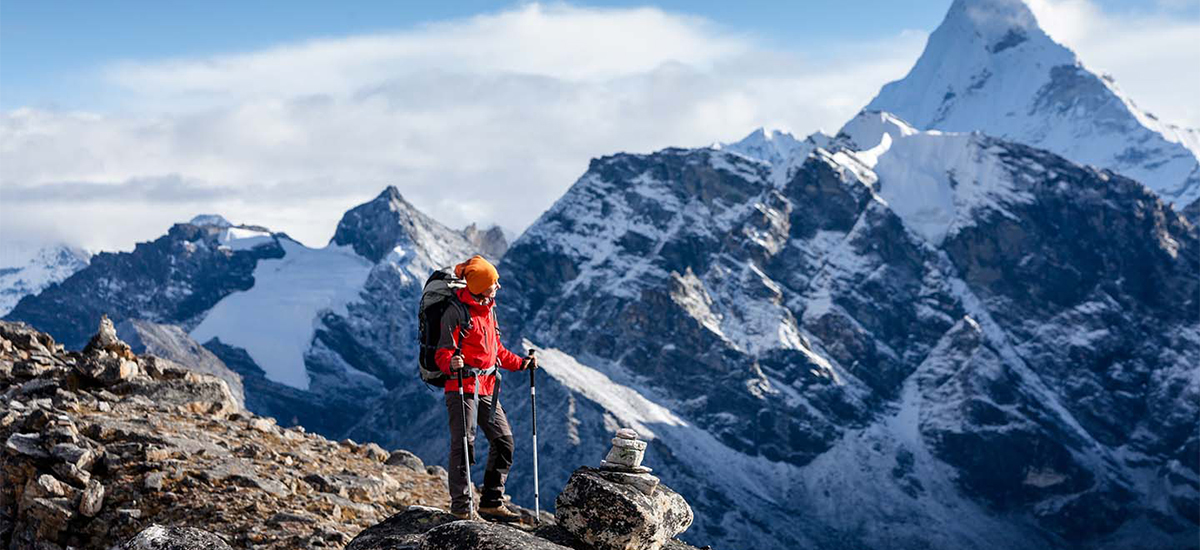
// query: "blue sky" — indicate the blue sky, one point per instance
point(125, 117)
point(46, 46)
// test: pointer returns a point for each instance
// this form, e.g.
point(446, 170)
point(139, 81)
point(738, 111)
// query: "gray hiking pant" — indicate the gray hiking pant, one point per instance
point(500, 450)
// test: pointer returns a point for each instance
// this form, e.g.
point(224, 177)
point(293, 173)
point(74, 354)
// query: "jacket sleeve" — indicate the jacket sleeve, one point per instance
point(508, 359)
point(447, 339)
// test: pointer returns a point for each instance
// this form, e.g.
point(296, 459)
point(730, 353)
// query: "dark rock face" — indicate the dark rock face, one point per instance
point(173, 279)
point(599, 510)
point(1052, 328)
point(376, 227)
point(158, 537)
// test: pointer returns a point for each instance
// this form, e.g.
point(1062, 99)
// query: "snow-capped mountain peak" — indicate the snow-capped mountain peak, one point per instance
point(27, 268)
point(210, 219)
point(990, 68)
point(779, 149)
point(389, 225)
point(770, 146)
point(999, 24)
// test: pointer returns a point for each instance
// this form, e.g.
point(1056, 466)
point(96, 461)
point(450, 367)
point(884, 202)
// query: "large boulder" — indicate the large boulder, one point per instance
point(158, 537)
point(424, 528)
point(475, 535)
point(403, 530)
point(597, 508)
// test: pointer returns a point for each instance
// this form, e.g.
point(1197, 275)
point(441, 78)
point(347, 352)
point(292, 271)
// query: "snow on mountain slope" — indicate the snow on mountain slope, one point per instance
point(989, 67)
point(778, 149)
point(919, 339)
point(934, 180)
point(26, 269)
point(274, 320)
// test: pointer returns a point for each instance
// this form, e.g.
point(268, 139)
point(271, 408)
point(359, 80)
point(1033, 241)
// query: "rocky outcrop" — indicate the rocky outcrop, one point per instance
point(158, 537)
point(171, 342)
point(98, 445)
point(425, 528)
point(602, 509)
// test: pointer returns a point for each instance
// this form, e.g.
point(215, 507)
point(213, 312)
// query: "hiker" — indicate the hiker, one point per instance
point(474, 343)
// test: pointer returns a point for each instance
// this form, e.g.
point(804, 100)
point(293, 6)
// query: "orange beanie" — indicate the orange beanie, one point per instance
point(479, 273)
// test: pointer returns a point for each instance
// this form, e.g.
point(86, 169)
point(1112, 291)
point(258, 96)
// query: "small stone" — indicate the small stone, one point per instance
point(375, 452)
point(26, 444)
point(263, 424)
point(46, 486)
point(157, 454)
point(627, 433)
point(92, 499)
point(72, 474)
point(292, 517)
point(74, 455)
point(403, 458)
point(629, 444)
point(154, 481)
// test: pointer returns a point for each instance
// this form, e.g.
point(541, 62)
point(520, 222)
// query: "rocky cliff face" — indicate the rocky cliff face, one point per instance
point(978, 325)
point(100, 444)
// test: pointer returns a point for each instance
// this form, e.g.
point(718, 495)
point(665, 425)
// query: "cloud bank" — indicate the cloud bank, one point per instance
point(487, 119)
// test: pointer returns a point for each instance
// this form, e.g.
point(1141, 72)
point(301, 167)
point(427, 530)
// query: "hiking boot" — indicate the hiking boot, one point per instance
point(467, 516)
point(499, 513)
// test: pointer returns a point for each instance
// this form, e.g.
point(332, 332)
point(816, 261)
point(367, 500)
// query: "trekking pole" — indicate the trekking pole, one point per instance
point(462, 399)
point(537, 507)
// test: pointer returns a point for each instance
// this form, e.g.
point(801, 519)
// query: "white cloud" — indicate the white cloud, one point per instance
point(1153, 52)
point(487, 119)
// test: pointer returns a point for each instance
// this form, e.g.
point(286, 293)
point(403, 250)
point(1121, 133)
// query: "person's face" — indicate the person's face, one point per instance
point(490, 293)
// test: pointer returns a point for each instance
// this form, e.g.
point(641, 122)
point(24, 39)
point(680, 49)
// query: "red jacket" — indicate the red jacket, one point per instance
point(481, 348)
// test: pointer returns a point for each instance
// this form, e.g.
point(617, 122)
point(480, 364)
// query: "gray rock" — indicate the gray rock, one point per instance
point(375, 452)
point(192, 391)
point(92, 499)
point(614, 516)
point(26, 444)
point(158, 537)
point(106, 339)
point(171, 342)
point(355, 487)
point(403, 530)
point(474, 535)
point(406, 459)
point(74, 455)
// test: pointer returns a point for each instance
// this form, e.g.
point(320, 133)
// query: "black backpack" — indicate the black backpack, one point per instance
point(440, 292)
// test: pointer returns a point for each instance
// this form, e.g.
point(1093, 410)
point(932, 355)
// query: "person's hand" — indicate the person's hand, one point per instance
point(456, 362)
point(530, 363)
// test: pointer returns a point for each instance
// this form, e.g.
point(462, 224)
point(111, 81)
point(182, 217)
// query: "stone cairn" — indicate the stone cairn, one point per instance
point(620, 506)
point(624, 462)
